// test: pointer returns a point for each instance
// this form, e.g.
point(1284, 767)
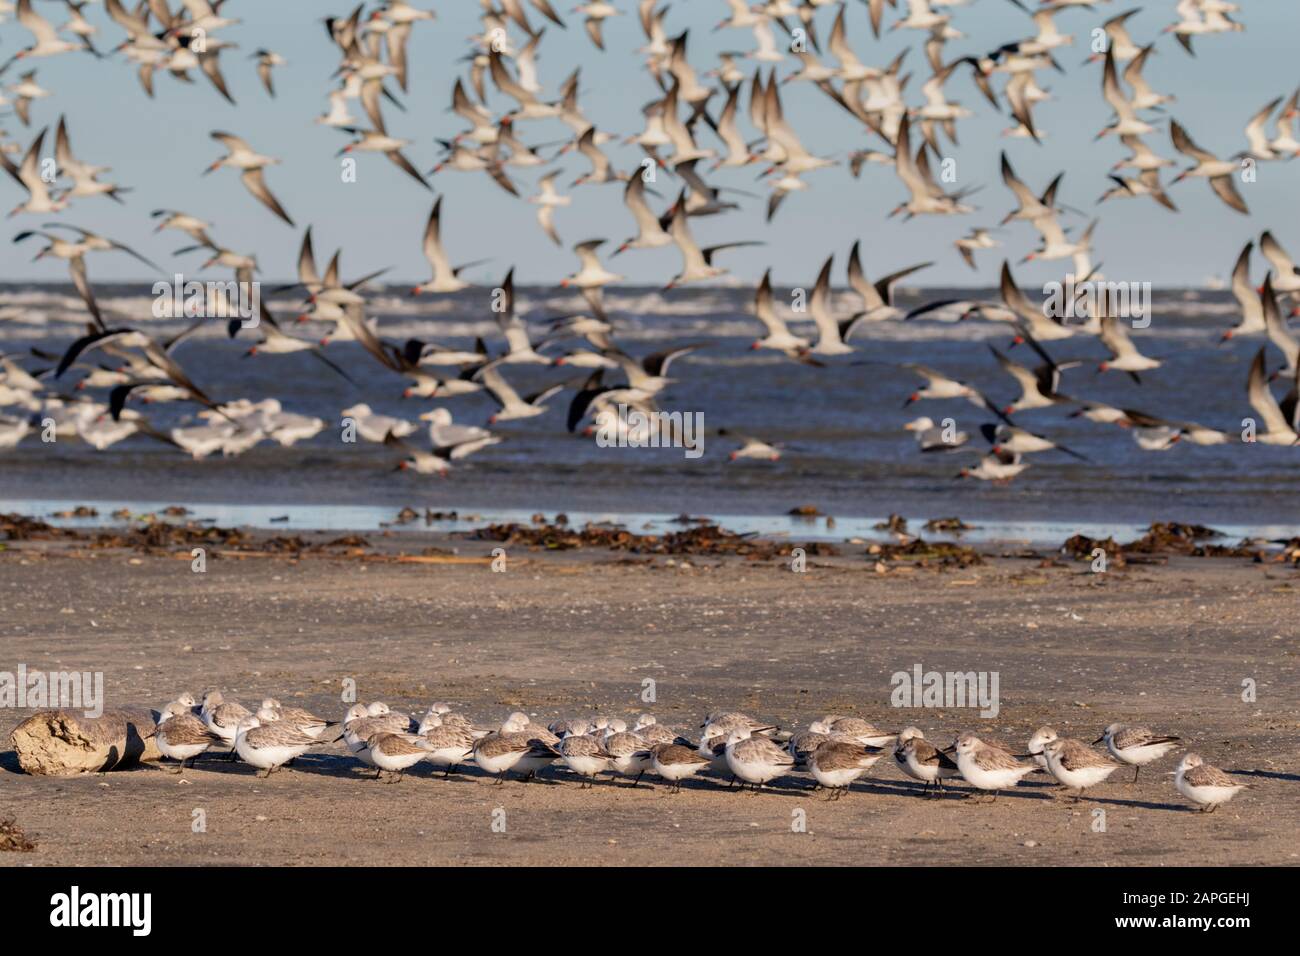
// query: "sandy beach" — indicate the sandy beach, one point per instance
point(576, 633)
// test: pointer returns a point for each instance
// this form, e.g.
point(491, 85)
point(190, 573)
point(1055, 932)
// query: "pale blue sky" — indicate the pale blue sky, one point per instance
point(159, 148)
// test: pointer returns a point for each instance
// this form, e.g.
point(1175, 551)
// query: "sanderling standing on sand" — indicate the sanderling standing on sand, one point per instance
point(987, 767)
point(395, 753)
point(756, 759)
point(300, 717)
point(1041, 738)
point(223, 717)
point(449, 746)
point(653, 732)
point(574, 726)
point(538, 757)
point(359, 726)
point(182, 736)
point(837, 763)
point(1136, 746)
point(271, 744)
point(499, 753)
point(921, 760)
point(676, 763)
point(629, 754)
point(863, 731)
point(1205, 786)
point(1076, 765)
point(722, 723)
point(714, 749)
point(802, 744)
point(584, 755)
point(453, 720)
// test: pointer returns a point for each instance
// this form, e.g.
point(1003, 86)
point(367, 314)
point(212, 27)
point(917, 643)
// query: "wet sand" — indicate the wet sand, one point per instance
point(577, 633)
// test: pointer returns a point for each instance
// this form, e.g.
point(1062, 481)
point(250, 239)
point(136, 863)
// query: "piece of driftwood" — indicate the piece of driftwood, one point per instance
point(65, 742)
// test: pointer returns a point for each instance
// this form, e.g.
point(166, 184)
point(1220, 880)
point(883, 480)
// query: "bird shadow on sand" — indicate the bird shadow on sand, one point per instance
point(1261, 774)
point(1097, 800)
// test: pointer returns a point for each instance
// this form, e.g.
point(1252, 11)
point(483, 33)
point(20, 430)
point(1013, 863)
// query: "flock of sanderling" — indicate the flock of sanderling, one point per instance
point(835, 750)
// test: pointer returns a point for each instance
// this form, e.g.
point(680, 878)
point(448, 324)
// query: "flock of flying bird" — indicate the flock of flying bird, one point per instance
point(692, 129)
point(835, 750)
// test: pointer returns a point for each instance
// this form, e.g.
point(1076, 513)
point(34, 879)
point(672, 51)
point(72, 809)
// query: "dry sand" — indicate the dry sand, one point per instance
point(577, 633)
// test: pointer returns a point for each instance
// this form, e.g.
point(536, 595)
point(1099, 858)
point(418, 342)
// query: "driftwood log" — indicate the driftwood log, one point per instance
point(65, 742)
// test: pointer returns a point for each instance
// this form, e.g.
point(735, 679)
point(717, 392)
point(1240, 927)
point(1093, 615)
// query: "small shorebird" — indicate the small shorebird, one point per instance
point(864, 732)
point(395, 753)
point(676, 763)
point(629, 753)
point(987, 767)
point(714, 748)
point(450, 745)
point(756, 760)
point(223, 717)
point(573, 727)
point(181, 735)
point(584, 755)
point(720, 723)
point(1041, 738)
point(543, 752)
point(501, 752)
point(1136, 746)
point(921, 760)
point(802, 745)
point(1076, 765)
point(653, 732)
point(837, 763)
point(360, 724)
point(1205, 786)
point(270, 744)
point(299, 717)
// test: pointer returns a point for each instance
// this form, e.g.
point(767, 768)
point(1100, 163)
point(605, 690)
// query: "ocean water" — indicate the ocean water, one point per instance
point(840, 427)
